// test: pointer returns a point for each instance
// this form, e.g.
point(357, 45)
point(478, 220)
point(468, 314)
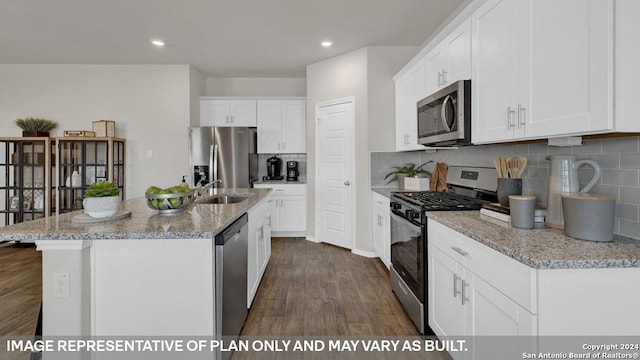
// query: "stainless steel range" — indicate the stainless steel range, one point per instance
point(469, 188)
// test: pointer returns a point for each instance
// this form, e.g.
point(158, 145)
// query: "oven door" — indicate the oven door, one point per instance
point(407, 253)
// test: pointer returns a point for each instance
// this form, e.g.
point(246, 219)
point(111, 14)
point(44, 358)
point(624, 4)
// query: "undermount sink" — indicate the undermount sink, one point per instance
point(223, 199)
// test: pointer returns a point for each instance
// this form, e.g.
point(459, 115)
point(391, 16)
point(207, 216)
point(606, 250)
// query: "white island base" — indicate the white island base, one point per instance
point(137, 287)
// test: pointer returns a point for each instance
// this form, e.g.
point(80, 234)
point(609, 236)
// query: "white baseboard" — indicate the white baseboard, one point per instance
point(312, 239)
point(369, 254)
point(288, 234)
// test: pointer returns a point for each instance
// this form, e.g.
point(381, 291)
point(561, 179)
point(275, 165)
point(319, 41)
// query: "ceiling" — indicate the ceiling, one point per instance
point(222, 38)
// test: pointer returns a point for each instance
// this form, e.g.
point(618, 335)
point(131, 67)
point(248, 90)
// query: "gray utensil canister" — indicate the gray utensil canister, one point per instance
point(588, 216)
point(506, 187)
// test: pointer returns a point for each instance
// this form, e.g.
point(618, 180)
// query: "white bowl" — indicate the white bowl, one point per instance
point(101, 207)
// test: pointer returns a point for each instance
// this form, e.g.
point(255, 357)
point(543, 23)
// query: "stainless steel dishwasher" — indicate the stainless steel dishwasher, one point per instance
point(231, 278)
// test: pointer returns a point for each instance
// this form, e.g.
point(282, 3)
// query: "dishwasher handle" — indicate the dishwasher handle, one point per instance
point(230, 232)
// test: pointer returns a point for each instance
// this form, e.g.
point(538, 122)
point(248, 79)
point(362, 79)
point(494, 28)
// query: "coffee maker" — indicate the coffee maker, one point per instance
point(274, 168)
point(292, 171)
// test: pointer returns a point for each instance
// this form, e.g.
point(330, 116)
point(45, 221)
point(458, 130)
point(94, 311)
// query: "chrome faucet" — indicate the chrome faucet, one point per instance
point(200, 191)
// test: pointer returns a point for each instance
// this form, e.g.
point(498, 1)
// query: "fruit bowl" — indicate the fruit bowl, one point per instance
point(170, 203)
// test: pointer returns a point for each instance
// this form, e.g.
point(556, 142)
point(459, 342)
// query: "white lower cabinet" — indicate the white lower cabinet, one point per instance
point(288, 209)
point(381, 228)
point(473, 292)
point(259, 246)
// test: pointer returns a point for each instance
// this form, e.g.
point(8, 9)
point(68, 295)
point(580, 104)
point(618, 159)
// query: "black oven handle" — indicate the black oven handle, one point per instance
point(405, 222)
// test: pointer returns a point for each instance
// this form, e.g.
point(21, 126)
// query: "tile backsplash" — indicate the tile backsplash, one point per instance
point(300, 158)
point(619, 159)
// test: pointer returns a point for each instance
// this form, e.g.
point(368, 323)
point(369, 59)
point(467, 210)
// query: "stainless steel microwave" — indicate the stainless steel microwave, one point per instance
point(444, 118)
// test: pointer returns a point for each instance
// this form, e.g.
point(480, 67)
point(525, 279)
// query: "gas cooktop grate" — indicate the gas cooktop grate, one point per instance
point(440, 201)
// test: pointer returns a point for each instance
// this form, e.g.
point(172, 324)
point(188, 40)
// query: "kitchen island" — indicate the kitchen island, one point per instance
point(148, 275)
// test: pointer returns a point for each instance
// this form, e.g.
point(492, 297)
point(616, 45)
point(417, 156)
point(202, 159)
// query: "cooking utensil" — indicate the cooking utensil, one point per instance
point(496, 163)
point(503, 167)
point(518, 165)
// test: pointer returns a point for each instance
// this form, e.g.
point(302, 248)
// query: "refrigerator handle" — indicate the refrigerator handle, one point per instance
point(215, 164)
point(211, 163)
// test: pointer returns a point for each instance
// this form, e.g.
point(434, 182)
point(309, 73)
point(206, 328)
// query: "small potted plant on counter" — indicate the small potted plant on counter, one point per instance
point(101, 200)
point(35, 126)
point(401, 173)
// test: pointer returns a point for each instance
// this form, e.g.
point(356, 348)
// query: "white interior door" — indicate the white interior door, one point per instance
point(335, 159)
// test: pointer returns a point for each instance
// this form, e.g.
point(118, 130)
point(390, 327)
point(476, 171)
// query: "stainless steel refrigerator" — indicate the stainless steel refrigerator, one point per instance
point(228, 154)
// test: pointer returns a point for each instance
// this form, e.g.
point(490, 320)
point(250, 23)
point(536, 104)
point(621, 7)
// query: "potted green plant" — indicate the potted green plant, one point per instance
point(35, 126)
point(408, 170)
point(101, 199)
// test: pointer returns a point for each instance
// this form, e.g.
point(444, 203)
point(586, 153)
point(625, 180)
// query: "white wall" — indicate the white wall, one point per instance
point(263, 87)
point(339, 77)
point(197, 84)
point(150, 104)
point(366, 75)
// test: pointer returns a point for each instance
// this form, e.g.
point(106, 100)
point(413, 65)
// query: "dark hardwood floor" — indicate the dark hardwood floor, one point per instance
point(321, 291)
point(314, 289)
point(20, 289)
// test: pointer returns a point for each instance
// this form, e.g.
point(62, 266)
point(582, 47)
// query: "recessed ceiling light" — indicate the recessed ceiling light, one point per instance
point(326, 43)
point(158, 43)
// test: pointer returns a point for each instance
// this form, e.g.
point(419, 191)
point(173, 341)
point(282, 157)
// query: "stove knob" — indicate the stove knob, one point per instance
point(395, 206)
point(410, 214)
point(415, 215)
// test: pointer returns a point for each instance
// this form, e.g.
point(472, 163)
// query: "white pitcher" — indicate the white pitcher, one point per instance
point(563, 178)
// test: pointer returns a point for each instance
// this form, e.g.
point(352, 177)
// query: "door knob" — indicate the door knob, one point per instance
point(347, 183)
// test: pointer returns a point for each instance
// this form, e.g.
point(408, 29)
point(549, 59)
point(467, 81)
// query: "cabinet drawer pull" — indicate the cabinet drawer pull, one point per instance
point(459, 251)
point(464, 292)
point(456, 292)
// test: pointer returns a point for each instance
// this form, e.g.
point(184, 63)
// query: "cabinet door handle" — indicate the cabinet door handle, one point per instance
point(444, 74)
point(227, 119)
point(522, 113)
point(231, 117)
point(284, 146)
point(464, 297)
point(459, 251)
point(510, 114)
point(456, 292)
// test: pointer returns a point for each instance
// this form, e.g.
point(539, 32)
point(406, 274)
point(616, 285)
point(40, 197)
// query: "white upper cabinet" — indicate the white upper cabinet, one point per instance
point(541, 68)
point(227, 112)
point(281, 126)
point(627, 58)
point(450, 60)
point(410, 88)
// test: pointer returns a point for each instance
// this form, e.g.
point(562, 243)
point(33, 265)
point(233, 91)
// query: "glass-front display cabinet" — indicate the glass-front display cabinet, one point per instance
point(83, 161)
point(26, 178)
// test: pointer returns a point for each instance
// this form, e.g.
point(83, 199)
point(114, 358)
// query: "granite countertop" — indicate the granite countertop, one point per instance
point(387, 190)
point(282, 182)
point(197, 221)
point(542, 248)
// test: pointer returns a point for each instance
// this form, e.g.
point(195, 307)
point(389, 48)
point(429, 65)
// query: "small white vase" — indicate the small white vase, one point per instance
point(75, 180)
point(101, 207)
